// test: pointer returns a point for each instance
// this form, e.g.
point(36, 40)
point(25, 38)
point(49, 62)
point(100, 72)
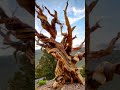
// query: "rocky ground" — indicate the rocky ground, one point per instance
point(75, 86)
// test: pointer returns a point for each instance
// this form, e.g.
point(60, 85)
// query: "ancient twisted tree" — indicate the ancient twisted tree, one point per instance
point(66, 70)
point(104, 72)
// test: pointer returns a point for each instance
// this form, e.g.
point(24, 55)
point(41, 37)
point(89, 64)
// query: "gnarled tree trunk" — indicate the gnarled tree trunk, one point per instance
point(66, 70)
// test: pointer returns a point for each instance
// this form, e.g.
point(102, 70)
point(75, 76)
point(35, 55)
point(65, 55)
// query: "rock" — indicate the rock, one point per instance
point(75, 86)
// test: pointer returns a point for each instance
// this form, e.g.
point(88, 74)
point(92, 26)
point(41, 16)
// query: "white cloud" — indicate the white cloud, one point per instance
point(78, 11)
point(77, 42)
point(78, 14)
point(59, 36)
point(73, 20)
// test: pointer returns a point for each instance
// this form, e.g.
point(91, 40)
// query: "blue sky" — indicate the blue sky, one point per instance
point(76, 15)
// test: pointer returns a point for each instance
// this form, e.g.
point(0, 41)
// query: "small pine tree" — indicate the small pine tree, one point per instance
point(45, 67)
point(82, 71)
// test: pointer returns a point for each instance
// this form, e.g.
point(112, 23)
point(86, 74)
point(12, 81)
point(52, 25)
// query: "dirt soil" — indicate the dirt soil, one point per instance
point(75, 86)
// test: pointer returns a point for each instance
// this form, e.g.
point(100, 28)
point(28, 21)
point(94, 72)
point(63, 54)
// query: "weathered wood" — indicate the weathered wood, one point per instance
point(66, 70)
point(69, 29)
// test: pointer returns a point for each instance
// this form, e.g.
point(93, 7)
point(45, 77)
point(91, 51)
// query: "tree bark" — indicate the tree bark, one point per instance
point(66, 70)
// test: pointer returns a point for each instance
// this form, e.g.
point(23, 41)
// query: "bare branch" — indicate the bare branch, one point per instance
point(45, 24)
point(66, 6)
point(63, 34)
point(74, 37)
point(77, 57)
point(40, 44)
point(40, 13)
point(73, 28)
point(55, 19)
point(79, 47)
point(49, 12)
point(69, 38)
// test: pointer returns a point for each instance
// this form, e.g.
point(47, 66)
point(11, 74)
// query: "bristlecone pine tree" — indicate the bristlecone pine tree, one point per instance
point(105, 71)
point(66, 70)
